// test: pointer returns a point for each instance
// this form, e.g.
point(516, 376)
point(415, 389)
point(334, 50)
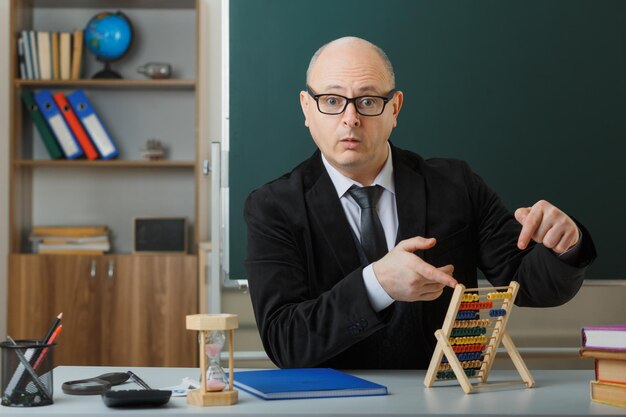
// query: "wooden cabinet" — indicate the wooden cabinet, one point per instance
point(118, 310)
point(147, 300)
point(42, 286)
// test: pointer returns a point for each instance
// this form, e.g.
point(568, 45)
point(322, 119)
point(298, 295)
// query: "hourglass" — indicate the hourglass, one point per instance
point(215, 387)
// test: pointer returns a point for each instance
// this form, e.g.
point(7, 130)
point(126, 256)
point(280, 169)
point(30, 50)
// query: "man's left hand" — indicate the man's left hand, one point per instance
point(546, 224)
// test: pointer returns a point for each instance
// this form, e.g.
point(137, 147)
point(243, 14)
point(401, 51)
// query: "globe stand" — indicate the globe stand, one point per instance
point(107, 72)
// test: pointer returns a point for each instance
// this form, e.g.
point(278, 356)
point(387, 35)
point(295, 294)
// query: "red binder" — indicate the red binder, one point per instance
point(77, 128)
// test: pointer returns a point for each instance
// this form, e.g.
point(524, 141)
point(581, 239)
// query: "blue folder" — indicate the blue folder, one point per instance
point(282, 384)
point(58, 125)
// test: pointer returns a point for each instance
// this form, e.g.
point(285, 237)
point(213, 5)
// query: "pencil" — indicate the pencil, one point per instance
point(55, 324)
point(43, 353)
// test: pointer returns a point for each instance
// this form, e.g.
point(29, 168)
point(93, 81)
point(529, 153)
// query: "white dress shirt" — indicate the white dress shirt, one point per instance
point(387, 212)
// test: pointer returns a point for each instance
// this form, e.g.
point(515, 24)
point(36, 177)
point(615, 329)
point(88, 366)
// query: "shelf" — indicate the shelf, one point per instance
point(117, 4)
point(121, 84)
point(103, 164)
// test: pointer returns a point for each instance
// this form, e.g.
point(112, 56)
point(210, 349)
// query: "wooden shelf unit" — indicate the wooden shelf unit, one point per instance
point(166, 286)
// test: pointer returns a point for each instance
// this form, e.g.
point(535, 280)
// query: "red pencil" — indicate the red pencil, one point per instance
point(43, 353)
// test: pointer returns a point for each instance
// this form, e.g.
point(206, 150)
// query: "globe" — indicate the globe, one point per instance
point(108, 35)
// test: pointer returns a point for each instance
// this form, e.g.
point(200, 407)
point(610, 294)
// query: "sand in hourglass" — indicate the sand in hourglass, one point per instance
point(216, 379)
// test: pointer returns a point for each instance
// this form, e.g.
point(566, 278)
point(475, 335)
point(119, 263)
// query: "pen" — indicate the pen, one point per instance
point(138, 380)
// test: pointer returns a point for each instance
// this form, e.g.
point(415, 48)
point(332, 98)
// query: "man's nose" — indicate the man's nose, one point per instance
point(351, 116)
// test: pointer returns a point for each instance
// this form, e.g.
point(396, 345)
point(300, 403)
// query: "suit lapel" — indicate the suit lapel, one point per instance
point(410, 200)
point(325, 208)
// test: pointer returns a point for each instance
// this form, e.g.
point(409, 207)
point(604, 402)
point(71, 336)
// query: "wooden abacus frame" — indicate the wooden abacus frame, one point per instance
point(493, 339)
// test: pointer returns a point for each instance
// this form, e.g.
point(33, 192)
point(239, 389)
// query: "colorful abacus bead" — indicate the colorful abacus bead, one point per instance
point(497, 312)
point(501, 295)
point(484, 305)
point(469, 297)
point(467, 315)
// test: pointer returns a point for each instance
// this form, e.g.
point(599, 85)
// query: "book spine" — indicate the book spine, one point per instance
point(77, 55)
point(20, 58)
point(34, 53)
point(65, 45)
point(54, 49)
point(28, 63)
point(45, 62)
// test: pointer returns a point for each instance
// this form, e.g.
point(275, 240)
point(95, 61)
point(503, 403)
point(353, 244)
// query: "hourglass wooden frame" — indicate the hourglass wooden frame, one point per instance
point(208, 322)
point(473, 300)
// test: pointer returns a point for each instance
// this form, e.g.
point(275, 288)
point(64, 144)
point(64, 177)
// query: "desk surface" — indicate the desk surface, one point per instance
point(557, 393)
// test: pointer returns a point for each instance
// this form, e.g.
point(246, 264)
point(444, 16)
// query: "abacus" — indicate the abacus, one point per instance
point(472, 331)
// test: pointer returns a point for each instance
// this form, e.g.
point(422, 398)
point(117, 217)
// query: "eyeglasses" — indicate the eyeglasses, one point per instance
point(336, 104)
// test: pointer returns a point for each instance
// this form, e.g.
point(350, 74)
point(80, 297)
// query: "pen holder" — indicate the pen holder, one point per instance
point(26, 373)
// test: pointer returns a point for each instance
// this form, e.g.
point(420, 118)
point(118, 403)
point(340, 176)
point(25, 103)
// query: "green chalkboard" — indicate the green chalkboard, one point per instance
point(531, 93)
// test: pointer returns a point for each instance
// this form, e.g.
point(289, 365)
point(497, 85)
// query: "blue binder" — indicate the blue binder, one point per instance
point(58, 125)
point(92, 124)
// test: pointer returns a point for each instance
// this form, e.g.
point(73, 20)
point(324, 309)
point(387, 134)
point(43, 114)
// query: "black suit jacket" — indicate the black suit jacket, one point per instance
point(305, 276)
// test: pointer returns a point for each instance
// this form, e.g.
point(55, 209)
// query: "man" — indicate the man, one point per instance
point(325, 293)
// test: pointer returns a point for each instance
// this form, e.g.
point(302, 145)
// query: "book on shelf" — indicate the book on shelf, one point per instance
point(54, 49)
point(50, 55)
point(69, 231)
point(20, 58)
point(77, 128)
point(77, 54)
point(77, 247)
point(604, 337)
point(279, 384)
point(65, 55)
point(34, 54)
point(607, 393)
point(88, 240)
point(47, 136)
point(28, 64)
point(44, 51)
point(68, 239)
point(71, 252)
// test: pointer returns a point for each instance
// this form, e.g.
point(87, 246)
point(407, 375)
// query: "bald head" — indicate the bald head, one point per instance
point(352, 43)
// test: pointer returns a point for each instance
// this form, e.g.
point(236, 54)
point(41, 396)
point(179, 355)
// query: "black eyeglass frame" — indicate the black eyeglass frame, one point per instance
point(385, 99)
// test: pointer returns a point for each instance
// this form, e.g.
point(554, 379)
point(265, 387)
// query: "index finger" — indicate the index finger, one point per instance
point(434, 274)
point(531, 224)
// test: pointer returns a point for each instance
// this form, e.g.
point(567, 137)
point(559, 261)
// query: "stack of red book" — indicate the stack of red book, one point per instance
point(607, 346)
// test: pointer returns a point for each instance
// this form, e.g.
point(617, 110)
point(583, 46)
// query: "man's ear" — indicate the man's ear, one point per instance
point(304, 103)
point(397, 105)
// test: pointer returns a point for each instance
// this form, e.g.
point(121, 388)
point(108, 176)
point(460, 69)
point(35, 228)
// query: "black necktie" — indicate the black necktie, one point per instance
point(372, 233)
